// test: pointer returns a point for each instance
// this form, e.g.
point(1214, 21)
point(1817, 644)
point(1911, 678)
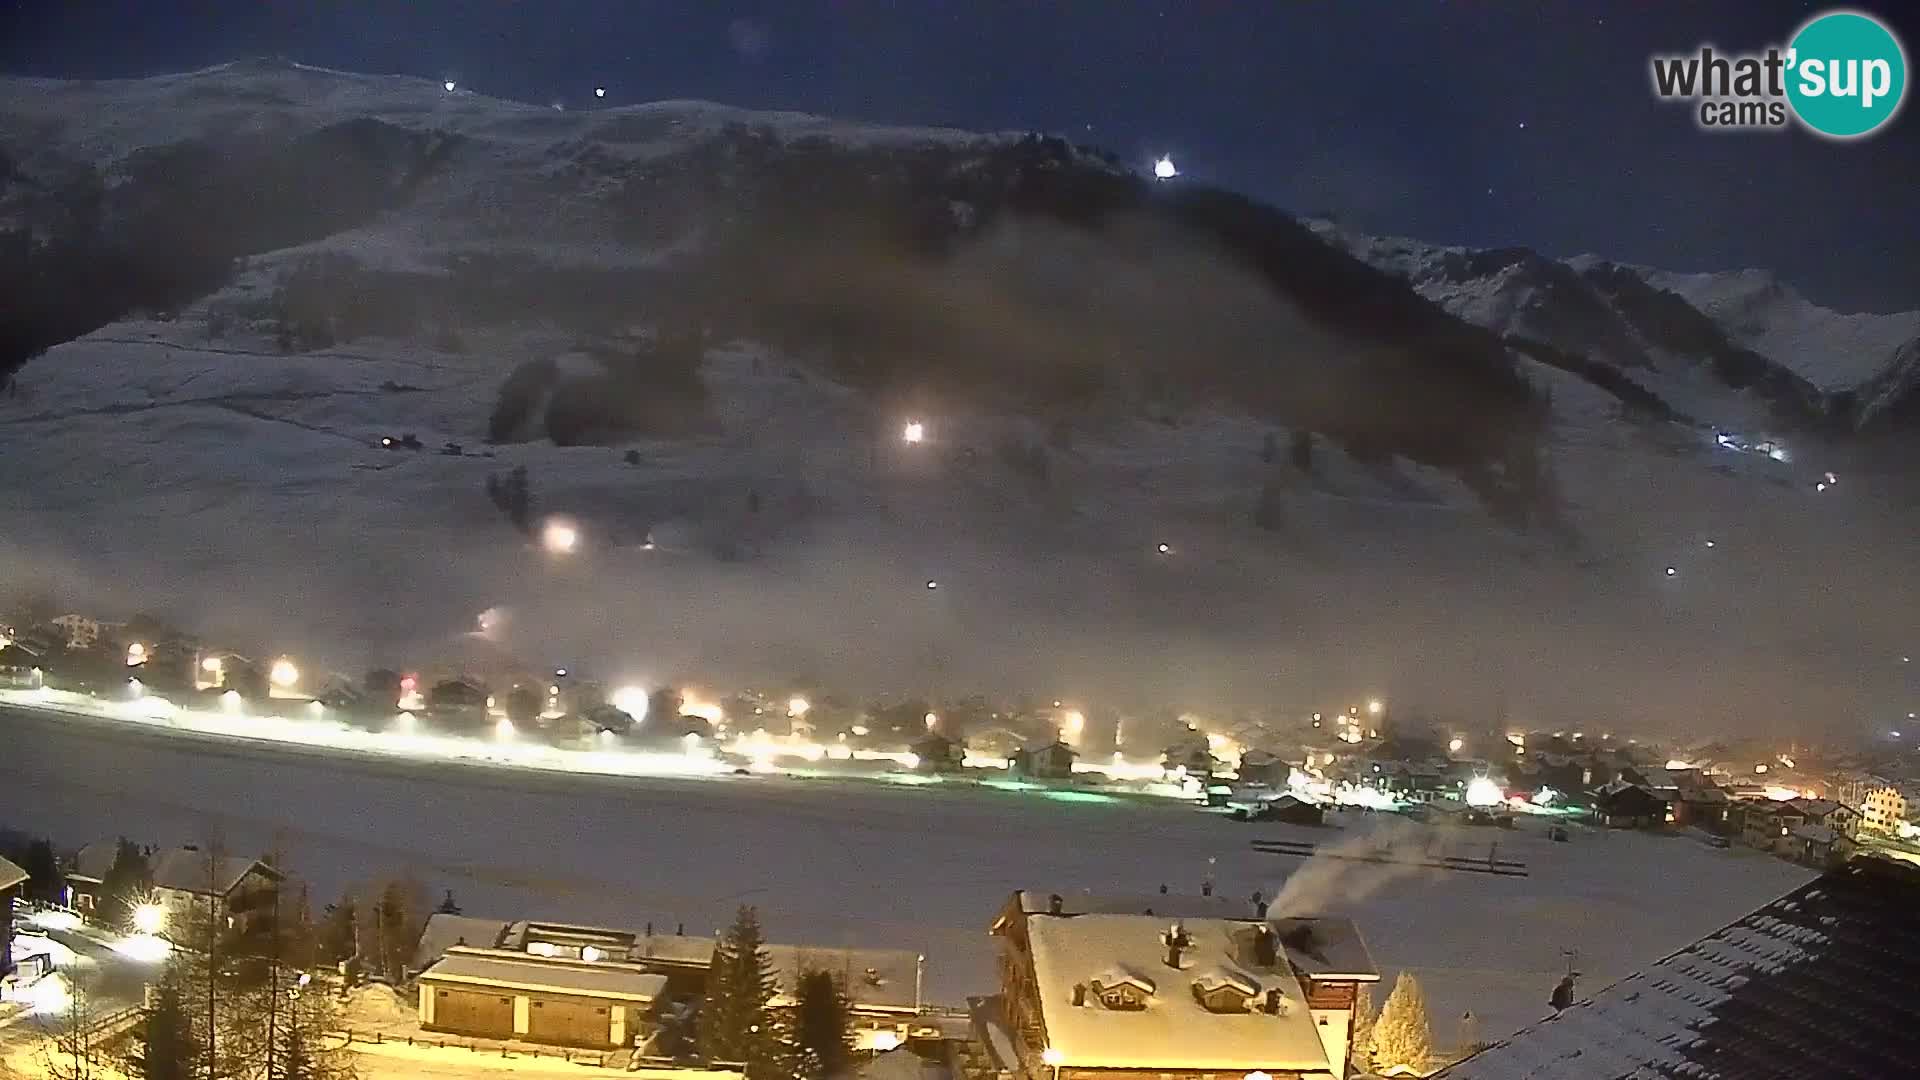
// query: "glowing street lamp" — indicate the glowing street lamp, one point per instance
point(283, 674)
point(1164, 549)
point(136, 654)
point(932, 721)
point(447, 86)
point(932, 584)
point(560, 537)
point(914, 432)
point(1164, 169)
point(1375, 707)
point(599, 91)
point(798, 706)
point(149, 918)
point(1053, 1059)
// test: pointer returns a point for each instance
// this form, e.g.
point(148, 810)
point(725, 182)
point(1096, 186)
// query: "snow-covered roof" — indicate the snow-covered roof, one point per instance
point(1817, 983)
point(1168, 905)
point(443, 932)
point(10, 875)
point(1818, 834)
point(1326, 948)
point(517, 971)
point(1174, 1030)
point(1815, 808)
point(190, 871)
point(873, 979)
point(92, 862)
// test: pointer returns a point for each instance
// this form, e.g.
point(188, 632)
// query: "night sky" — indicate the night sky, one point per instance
point(1484, 124)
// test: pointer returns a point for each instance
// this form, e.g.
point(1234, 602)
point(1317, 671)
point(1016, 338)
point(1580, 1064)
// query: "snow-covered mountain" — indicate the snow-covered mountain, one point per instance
point(1711, 345)
point(706, 327)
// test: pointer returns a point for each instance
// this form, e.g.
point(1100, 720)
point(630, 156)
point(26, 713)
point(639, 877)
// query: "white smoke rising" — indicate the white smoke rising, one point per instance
point(1352, 870)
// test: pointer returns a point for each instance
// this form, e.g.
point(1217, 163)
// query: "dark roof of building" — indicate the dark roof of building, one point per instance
point(1630, 801)
point(92, 862)
point(1817, 983)
point(187, 870)
point(10, 875)
point(1326, 948)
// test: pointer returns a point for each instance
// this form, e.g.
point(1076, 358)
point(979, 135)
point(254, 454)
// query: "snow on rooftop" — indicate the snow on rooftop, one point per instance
point(517, 971)
point(1174, 1030)
point(1768, 995)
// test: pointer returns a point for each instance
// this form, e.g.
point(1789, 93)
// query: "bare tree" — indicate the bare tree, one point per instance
point(72, 1050)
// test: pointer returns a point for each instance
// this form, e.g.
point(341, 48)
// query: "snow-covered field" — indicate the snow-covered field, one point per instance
point(838, 864)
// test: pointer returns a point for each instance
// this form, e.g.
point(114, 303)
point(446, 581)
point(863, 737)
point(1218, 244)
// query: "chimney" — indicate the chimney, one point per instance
point(1056, 904)
point(1079, 994)
point(1274, 998)
point(1265, 948)
point(1260, 909)
point(1177, 942)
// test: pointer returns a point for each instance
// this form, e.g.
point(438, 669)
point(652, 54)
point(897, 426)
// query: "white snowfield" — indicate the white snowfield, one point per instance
point(838, 865)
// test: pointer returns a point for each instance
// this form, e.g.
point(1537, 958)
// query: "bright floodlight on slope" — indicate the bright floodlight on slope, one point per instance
point(447, 86)
point(1671, 571)
point(560, 537)
point(914, 432)
point(932, 584)
point(1163, 168)
point(136, 654)
point(599, 91)
point(1164, 549)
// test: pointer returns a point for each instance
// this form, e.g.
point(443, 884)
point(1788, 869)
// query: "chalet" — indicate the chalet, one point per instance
point(1818, 845)
point(86, 875)
point(1704, 806)
point(1053, 761)
point(22, 667)
point(1827, 814)
point(80, 631)
point(1260, 767)
point(11, 880)
point(1883, 810)
point(241, 892)
point(1765, 996)
point(934, 752)
point(1091, 995)
point(882, 985)
point(1621, 805)
point(1765, 824)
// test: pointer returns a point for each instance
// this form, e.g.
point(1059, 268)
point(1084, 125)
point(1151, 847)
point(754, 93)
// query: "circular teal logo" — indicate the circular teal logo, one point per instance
point(1847, 74)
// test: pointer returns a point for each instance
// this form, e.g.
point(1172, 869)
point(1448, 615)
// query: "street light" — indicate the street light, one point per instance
point(447, 86)
point(1053, 1059)
point(1375, 707)
point(136, 654)
point(560, 537)
point(283, 674)
point(914, 432)
point(149, 918)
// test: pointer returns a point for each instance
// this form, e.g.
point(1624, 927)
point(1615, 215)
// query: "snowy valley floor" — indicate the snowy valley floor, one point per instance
point(860, 864)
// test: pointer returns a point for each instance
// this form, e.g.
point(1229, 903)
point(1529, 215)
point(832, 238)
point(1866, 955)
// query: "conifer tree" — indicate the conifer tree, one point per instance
point(1403, 1036)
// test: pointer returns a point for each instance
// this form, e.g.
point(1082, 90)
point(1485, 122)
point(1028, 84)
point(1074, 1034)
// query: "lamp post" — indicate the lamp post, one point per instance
point(1053, 1059)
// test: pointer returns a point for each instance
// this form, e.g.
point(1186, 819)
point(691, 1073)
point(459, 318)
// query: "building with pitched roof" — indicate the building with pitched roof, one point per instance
point(11, 878)
point(1819, 983)
point(1097, 991)
point(240, 891)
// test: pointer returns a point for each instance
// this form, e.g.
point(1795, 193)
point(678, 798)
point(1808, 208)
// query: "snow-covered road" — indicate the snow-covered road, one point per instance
point(833, 863)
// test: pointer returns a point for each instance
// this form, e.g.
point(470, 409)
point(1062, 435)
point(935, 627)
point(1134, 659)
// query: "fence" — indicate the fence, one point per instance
point(595, 1058)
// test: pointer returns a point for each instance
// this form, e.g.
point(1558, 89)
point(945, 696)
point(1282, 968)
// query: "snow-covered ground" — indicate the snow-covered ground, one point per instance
point(836, 864)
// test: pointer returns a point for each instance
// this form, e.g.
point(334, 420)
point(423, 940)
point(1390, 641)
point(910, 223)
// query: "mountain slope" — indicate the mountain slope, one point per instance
point(705, 327)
